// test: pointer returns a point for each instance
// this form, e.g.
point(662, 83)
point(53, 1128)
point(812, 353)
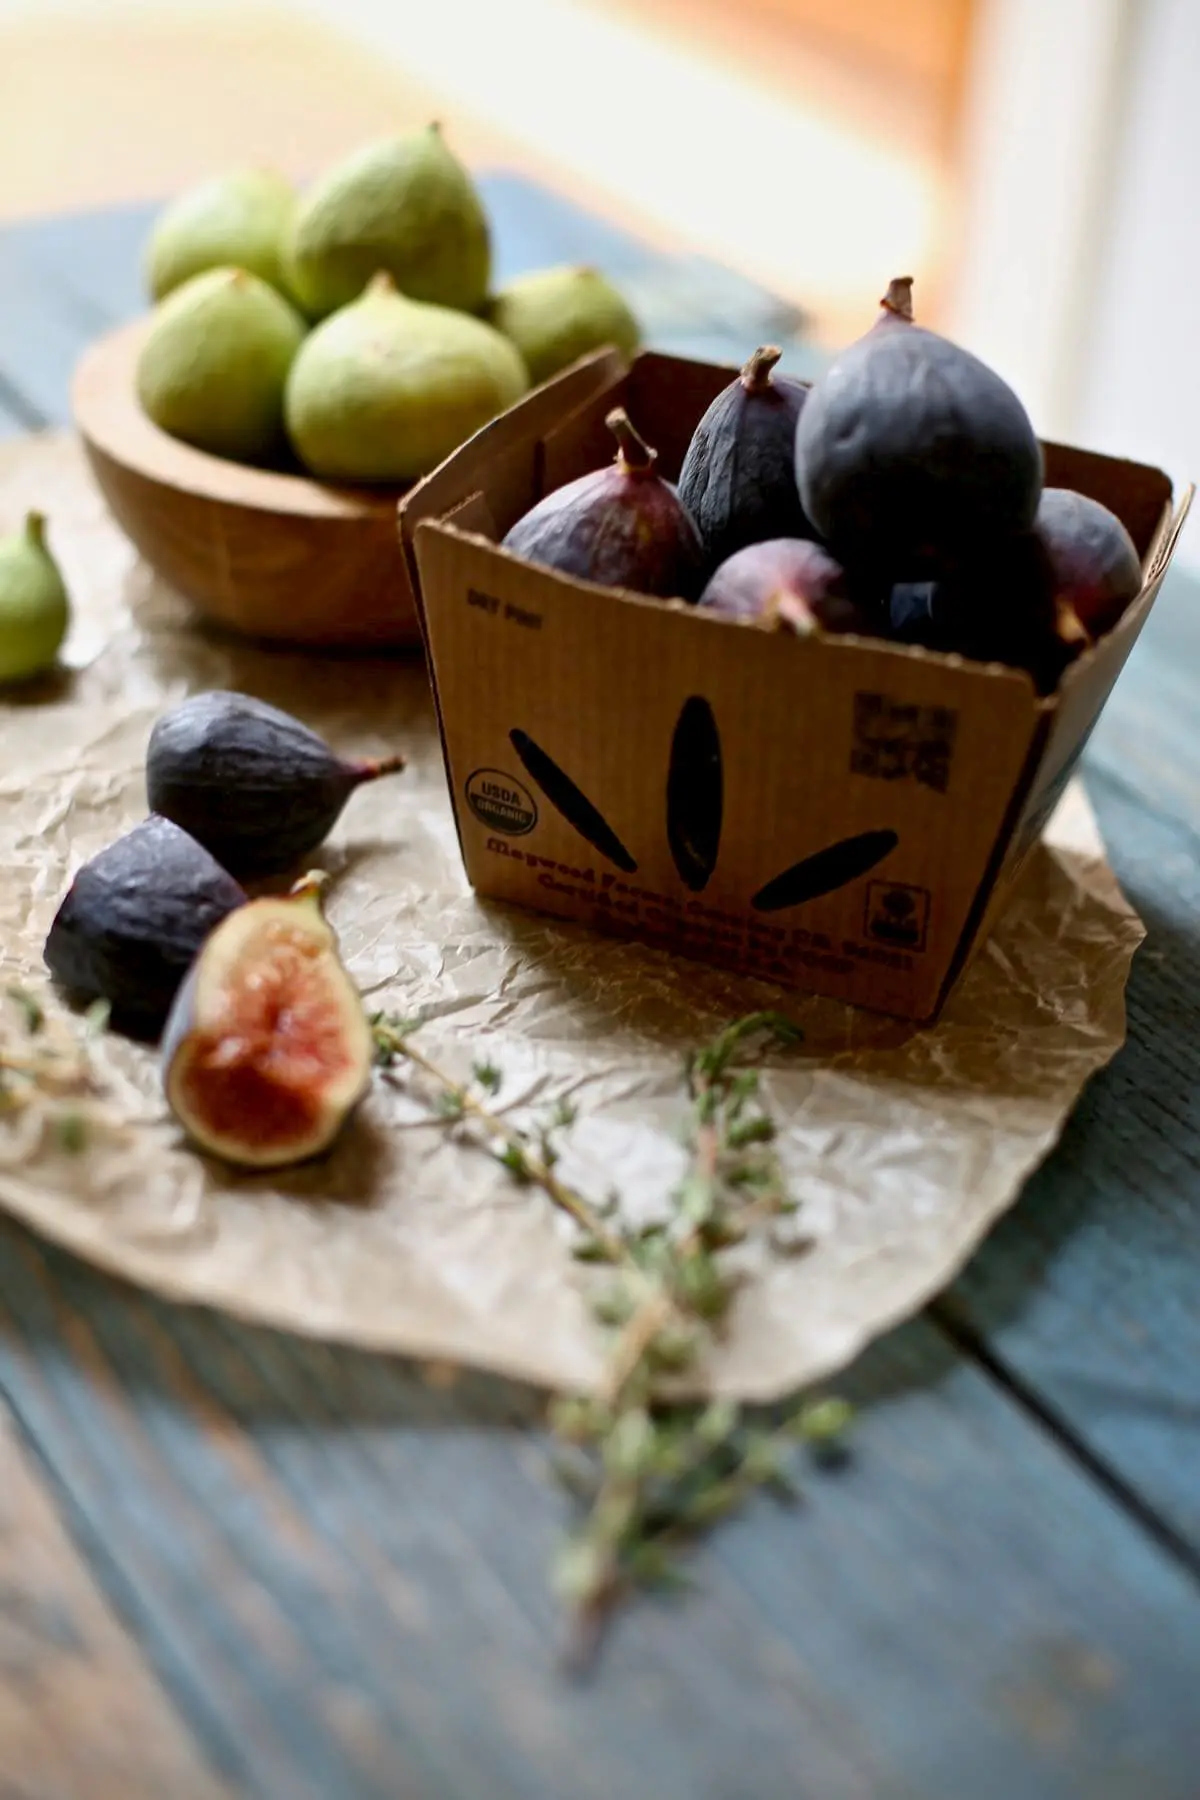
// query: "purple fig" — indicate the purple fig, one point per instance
point(623, 526)
point(1095, 564)
point(249, 782)
point(1003, 609)
point(738, 479)
point(912, 456)
point(790, 584)
point(134, 918)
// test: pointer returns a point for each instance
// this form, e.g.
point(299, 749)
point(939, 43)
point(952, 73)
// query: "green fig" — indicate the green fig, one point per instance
point(34, 609)
point(213, 367)
point(554, 316)
point(237, 220)
point(386, 388)
point(406, 205)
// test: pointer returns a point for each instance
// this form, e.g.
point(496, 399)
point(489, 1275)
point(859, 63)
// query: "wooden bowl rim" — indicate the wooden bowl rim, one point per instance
point(109, 418)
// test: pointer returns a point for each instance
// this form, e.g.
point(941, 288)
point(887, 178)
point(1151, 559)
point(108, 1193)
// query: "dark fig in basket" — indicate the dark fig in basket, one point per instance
point(251, 783)
point(267, 1050)
point(623, 526)
point(738, 479)
point(1002, 610)
point(134, 918)
point(788, 584)
point(1095, 563)
point(912, 456)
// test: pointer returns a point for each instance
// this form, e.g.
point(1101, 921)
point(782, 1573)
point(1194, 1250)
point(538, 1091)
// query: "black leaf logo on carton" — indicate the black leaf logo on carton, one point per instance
point(695, 794)
point(695, 803)
point(571, 801)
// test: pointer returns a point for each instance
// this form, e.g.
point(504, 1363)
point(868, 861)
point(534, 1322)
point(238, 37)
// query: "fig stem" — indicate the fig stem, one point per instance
point(374, 767)
point(756, 376)
point(897, 303)
point(381, 283)
point(309, 886)
point(35, 529)
point(787, 612)
point(632, 449)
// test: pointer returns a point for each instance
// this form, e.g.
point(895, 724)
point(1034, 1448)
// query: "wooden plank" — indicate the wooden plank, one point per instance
point(1147, 741)
point(1088, 1294)
point(80, 1715)
point(339, 1574)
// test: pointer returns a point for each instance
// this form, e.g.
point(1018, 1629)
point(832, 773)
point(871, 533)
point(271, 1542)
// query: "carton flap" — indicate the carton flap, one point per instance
point(467, 469)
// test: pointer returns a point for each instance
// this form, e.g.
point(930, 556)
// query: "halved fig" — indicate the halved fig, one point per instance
point(268, 1050)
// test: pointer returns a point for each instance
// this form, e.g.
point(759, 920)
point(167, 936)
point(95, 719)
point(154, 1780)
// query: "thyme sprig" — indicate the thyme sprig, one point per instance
point(45, 1067)
point(648, 1472)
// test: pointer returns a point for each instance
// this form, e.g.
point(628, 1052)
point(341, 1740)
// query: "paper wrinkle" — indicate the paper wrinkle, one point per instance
point(904, 1145)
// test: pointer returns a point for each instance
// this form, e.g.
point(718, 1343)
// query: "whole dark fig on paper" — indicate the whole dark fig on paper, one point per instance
point(623, 526)
point(738, 478)
point(255, 786)
point(134, 918)
point(1095, 564)
point(790, 584)
point(267, 1050)
point(912, 456)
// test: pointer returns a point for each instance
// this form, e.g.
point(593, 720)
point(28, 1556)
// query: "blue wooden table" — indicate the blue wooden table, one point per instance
point(232, 1563)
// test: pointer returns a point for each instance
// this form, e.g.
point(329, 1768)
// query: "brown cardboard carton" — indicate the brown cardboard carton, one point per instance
point(832, 813)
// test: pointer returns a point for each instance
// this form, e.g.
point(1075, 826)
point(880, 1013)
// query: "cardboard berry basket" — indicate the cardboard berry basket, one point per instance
point(837, 814)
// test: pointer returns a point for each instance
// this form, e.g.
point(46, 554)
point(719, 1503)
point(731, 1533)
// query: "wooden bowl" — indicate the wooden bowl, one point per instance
point(271, 555)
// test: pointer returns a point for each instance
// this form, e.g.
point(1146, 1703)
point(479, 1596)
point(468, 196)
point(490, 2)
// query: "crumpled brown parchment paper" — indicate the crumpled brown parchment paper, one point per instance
point(904, 1145)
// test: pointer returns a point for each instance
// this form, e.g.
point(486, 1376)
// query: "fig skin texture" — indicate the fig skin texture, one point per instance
point(214, 364)
point(912, 456)
point(738, 478)
point(788, 584)
point(1003, 611)
point(235, 220)
point(403, 204)
point(622, 526)
point(1095, 564)
point(555, 316)
point(387, 387)
point(133, 920)
point(267, 1050)
point(252, 784)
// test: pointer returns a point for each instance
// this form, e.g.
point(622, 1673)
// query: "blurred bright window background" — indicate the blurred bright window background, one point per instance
point(1031, 162)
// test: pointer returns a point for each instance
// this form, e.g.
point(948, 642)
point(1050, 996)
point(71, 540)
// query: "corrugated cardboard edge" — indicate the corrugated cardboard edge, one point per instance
point(1071, 713)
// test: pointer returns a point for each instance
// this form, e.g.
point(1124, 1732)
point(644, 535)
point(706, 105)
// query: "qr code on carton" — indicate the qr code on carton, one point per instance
point(895, 740)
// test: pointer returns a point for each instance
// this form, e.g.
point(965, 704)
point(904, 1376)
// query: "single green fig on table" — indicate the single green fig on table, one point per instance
point(35, 610)
point(238, 219)
point(554, 316)
point(403, 204)
point(385, 389)
point(267, 1050)
point(622, 526)
point(738, 477)
point(912, 456)
point(256, 787)
point(133, 919)
point(1094, 562)
point(214, 363)
point(788, 584)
